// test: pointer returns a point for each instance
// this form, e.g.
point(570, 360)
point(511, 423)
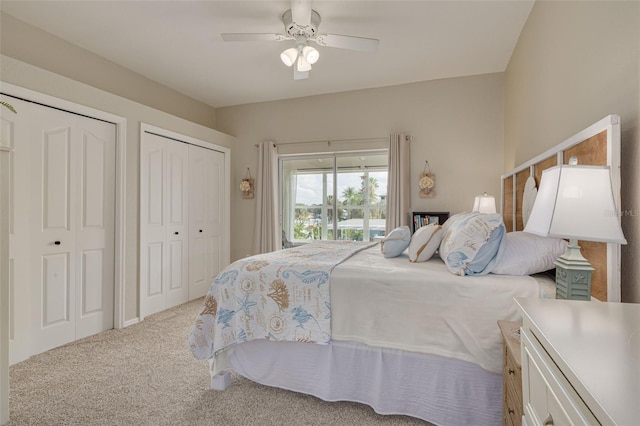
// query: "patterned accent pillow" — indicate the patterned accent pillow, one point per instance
point(473, 243)
point(425, 242)
point(396, 242)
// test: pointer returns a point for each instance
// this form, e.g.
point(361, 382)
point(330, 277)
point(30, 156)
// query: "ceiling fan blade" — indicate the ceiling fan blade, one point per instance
point(299, 75)
point(252, 37)
point(348, 42)
point(301, 12)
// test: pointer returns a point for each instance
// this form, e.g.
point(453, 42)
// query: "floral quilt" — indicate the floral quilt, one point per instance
point(282, 296)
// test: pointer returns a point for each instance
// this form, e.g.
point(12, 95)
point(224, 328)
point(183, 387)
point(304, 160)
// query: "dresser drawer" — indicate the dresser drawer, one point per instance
point(548, 397)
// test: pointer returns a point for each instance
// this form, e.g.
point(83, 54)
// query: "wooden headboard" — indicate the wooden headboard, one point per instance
point(599, 144)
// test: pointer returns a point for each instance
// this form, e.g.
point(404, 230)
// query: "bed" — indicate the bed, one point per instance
point(404, 337)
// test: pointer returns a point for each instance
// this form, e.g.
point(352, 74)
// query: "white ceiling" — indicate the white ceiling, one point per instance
point(178, 44)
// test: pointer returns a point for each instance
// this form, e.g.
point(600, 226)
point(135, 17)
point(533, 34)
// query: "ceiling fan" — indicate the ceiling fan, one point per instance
point(301, 25)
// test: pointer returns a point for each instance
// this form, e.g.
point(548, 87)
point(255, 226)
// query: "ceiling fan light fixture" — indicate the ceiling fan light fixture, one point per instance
point(303, 65)
point(311, 54)
point(289, 56)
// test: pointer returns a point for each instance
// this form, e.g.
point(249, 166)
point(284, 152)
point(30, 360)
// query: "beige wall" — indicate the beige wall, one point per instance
point(575, 63)
point(456, 125)
point(33, 78)
point(34, 46)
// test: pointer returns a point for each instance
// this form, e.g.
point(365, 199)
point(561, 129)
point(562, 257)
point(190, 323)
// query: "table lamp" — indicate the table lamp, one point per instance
point(484, 204)
point(575, 202)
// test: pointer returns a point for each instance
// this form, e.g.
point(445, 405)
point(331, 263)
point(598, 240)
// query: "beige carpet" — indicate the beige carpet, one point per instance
point(146, 375)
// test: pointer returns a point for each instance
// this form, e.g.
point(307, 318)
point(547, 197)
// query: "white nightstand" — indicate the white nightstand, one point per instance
point(580, 362)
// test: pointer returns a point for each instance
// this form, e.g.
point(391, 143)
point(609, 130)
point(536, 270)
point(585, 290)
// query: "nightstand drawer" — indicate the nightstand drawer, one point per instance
point(513, 372)
point(513, 404)
point(548, 396)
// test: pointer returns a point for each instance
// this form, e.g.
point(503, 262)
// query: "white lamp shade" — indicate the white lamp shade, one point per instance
point(484, 204)
point(576, 202)
point(289, 56)
point(311, 54)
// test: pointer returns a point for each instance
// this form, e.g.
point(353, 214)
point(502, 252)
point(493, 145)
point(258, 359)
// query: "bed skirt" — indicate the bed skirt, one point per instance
point(442, 391)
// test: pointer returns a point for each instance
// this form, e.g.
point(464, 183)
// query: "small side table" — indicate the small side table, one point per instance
point(511, 373)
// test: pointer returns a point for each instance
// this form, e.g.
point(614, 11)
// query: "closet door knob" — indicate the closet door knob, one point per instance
point(56, 243)
point(200, 230)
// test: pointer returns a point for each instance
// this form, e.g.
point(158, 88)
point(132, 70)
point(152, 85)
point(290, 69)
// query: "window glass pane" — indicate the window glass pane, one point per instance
point(362, 193)
point(311, 210)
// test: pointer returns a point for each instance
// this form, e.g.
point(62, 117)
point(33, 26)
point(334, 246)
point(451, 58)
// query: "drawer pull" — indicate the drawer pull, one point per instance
point(56, 243)
point(548, 421)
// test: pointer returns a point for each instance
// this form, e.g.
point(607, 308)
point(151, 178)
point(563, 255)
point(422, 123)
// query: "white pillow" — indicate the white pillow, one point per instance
point(425, 242)
point(473, 243)
point(526, 254)
point(396, 242)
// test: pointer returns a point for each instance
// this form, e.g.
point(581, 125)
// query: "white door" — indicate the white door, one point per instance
point(164, 253)
point(177, 231)
point(206, 218)
point(15, 128)
point(72, 226)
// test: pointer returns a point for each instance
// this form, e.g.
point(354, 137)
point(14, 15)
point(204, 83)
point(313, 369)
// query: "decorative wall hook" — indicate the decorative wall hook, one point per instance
point(427, 182)
point(246, 185)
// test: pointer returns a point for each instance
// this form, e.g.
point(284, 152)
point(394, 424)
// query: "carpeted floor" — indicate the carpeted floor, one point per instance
point(146, 375)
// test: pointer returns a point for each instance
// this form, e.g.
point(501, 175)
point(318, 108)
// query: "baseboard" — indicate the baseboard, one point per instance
point(132, 321)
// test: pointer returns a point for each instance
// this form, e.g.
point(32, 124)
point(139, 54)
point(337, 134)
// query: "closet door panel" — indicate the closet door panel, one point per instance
point(55, 177)
point(197, 222)
point(53, 246)
point(217, 214)
point(56, 289)
point(177, 238)
point(152, 224)
point(95, 227)
point(206, 218)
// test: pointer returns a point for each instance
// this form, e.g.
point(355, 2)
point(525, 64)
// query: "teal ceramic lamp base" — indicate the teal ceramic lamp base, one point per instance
point(573, 274)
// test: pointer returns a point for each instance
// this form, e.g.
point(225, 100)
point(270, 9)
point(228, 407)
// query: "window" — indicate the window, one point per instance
point(333, 197)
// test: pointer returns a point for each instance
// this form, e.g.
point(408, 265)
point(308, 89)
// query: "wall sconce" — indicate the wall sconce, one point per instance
point(575, 202)
point(427, 182)
point(246, 185)
point(484, 204)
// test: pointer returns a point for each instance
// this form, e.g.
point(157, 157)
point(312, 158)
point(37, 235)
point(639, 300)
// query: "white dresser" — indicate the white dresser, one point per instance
point(580, 362)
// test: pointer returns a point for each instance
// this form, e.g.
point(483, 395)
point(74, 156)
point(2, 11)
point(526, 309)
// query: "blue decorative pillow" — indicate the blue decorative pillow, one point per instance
point(473, 243)
point(396, 242)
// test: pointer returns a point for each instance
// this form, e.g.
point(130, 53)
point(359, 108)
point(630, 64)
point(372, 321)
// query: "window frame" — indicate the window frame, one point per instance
point(333, 156)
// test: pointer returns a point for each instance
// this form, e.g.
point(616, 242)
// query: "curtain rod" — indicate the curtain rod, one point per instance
point(408, 138)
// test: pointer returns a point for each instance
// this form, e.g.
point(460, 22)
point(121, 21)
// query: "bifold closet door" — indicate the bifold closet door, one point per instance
point(72, 225)
point(164, 233)
point(206, 216)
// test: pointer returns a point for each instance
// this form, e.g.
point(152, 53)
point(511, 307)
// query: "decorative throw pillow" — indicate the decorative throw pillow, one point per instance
point(526, 254)
point(473, 243)
point(425, 242)
point(396, 242)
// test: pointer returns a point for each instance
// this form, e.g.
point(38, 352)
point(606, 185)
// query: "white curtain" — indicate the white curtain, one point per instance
point(398, 192)
point(266, 237)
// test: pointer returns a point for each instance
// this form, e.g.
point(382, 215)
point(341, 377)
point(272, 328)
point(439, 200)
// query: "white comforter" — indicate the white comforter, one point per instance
point(422, 307)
